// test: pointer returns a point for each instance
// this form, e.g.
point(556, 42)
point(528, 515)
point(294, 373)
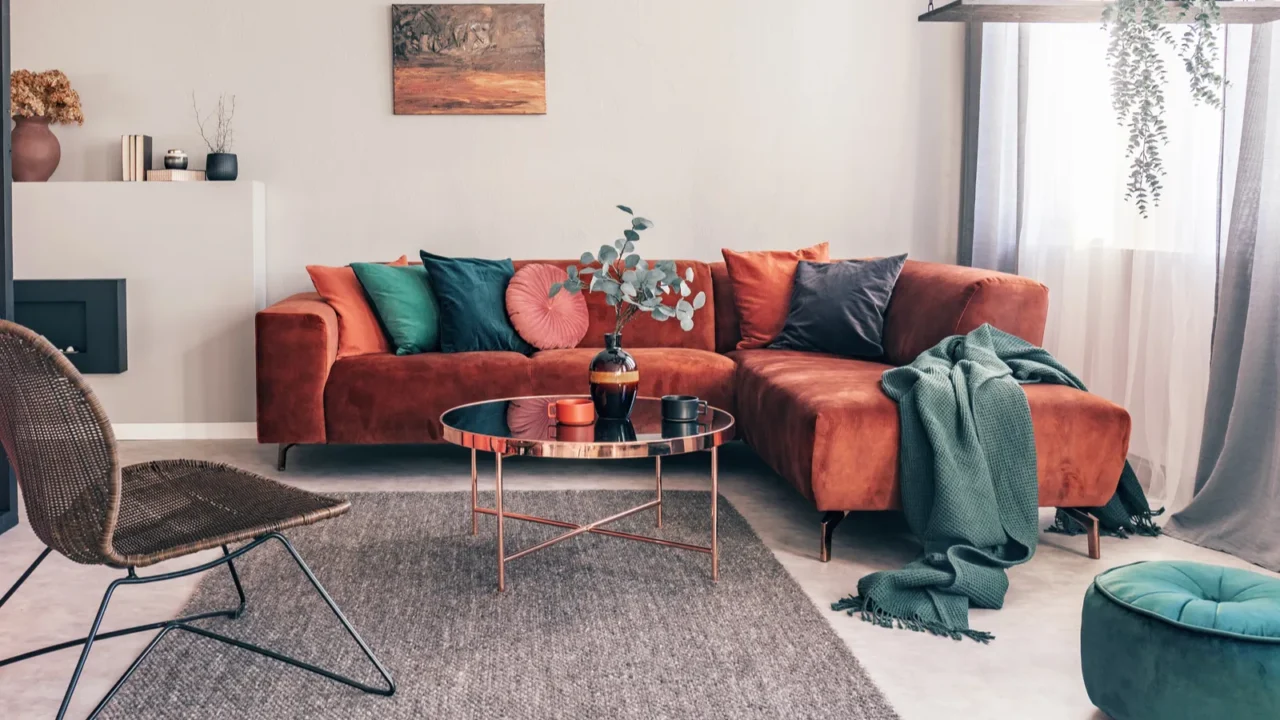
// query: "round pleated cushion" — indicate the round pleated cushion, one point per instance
point(1182, 640)
point(547, 323)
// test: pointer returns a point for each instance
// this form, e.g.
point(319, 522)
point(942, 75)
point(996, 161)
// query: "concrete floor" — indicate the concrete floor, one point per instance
point(1031, 670)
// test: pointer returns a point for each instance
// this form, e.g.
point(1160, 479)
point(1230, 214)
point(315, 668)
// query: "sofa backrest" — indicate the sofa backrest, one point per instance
point(728, 329)
point(644, 331)
point(933, 301)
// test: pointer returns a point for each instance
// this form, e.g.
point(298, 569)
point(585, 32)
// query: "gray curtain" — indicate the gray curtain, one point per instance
point(1236, 507)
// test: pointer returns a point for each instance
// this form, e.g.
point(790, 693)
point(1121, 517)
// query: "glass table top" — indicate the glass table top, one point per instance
point(521, 426)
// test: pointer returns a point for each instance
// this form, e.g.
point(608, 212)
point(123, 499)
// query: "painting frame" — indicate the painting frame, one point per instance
point(468, 59)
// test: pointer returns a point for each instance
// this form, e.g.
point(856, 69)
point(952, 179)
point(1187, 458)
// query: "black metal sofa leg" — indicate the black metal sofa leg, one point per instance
point(829, 522)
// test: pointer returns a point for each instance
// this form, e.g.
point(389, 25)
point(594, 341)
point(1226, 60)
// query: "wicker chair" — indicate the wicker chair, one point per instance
point(82, 504)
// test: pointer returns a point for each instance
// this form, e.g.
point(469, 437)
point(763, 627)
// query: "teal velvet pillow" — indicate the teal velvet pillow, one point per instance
point(405, 305)
point(472, 294)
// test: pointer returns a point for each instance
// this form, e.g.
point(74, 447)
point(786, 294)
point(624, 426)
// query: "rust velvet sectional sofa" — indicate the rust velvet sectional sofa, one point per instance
point(820, 421)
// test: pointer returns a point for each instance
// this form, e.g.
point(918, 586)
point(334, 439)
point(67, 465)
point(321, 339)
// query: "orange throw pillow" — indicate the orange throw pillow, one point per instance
point(762, 283)
point(358, 330)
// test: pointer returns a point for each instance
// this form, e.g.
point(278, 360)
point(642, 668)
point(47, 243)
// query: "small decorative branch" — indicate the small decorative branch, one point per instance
point(223, 133)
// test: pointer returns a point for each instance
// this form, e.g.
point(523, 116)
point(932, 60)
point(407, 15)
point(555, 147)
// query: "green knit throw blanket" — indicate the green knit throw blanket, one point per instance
point(969, 483)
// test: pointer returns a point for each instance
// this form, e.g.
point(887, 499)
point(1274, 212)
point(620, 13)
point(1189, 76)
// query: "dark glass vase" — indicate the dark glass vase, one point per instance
point(615, 380)
point(221, 166)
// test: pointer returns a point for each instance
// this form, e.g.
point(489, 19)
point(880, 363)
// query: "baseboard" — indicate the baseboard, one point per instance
point(186, 431)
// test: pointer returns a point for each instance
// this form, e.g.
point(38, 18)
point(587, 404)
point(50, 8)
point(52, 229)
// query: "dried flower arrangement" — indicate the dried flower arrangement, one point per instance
point(46, 95)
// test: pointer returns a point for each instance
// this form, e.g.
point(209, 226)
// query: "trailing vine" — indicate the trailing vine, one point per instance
point(1139, 75)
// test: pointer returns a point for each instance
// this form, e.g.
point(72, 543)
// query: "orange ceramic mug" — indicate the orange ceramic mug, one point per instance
point(572, 411)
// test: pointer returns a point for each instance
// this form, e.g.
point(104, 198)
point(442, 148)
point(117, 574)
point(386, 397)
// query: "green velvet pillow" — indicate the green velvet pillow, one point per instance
point(404, 302)
point(473, 304)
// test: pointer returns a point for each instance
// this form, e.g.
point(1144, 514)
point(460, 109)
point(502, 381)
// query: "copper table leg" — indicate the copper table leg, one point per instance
point(475, 496)
point(658, 471)
point(502, 560)
point(715, 496)
point(595, 527)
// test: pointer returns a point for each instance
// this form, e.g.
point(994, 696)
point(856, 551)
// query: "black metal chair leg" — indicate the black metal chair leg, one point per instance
point(102, 704)
point(24, 576)
point(346, 624)
point(88, 645)
point(235, 578)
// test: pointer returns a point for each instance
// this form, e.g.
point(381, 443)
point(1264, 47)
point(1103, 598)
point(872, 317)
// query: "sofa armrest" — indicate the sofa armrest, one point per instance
point(933, 301)
point(297, 342)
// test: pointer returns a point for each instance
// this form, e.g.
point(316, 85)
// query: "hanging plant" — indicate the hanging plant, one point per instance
point(1138, 76)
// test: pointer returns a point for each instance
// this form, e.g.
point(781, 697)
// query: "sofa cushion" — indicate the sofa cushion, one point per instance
point(663, 371)
point(405, 304)
point(823, 423)
point(644, 331)
point(762, 283)
point(472, 295)
point(838, 307)
point(358, 330)
point(399, 399)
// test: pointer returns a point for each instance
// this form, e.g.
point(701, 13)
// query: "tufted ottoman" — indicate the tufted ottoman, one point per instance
point(1182, 640)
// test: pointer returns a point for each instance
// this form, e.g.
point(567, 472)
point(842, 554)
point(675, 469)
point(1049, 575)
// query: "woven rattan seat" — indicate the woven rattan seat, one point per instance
point(176, 507)
point(81, 503)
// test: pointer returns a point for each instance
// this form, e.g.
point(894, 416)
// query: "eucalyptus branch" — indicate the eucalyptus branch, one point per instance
point(632, 286)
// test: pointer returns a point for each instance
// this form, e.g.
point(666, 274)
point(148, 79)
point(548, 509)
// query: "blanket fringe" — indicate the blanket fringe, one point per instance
point(1143, 524)
point(871, 611)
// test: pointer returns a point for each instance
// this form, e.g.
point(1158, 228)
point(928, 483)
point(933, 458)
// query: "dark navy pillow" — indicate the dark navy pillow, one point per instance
point(839, 307)
point(472, 295)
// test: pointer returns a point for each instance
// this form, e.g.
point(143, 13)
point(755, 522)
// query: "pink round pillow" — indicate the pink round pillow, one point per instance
point(546, 323)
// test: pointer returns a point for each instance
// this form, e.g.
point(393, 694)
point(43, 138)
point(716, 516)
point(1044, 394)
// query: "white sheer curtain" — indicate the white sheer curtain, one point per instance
point(1131, 299)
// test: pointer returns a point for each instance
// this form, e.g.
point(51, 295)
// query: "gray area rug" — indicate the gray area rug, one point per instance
point(593, 627)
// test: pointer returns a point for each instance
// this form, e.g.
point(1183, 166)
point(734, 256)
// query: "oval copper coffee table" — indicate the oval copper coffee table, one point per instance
point(521, 426)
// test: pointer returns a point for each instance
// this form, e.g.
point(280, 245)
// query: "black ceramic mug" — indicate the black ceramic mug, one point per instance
point(682, 408)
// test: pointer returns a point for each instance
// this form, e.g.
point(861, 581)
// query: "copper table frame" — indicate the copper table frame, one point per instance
point(501, 447)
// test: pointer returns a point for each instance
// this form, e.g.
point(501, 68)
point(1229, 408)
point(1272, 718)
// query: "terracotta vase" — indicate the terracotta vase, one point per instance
point(35, 149)
point(615, 380)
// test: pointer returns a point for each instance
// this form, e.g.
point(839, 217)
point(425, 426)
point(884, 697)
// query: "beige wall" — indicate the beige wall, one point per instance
point(743, 123)
point(188, 253)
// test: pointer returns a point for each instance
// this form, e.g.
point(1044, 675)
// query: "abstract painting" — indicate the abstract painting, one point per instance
point(468, 59)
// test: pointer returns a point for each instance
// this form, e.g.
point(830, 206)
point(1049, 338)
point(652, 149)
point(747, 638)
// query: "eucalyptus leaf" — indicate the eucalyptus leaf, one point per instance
point(685, 290)
point(572, 270)
point(633, 260)
point(611, 300)
point(625, 209)
point(555, 290)
point(587, 258)
point(607, 254)
point(686, 324)
point(688, 274)
point(587, 271)
point(628, 289)
point(660, 317)
point(640, 223)
point(629, 276)
point(699, 300)
point(628, 247)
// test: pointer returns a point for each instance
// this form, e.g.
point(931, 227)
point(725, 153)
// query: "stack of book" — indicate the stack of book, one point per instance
point(135, 157)
point(175, 175)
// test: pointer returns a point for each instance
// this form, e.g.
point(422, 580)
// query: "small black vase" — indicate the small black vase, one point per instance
point(221, 166)
point(615, 380)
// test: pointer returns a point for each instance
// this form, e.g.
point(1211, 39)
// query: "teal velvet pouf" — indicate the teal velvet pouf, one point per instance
point(1174, 640)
